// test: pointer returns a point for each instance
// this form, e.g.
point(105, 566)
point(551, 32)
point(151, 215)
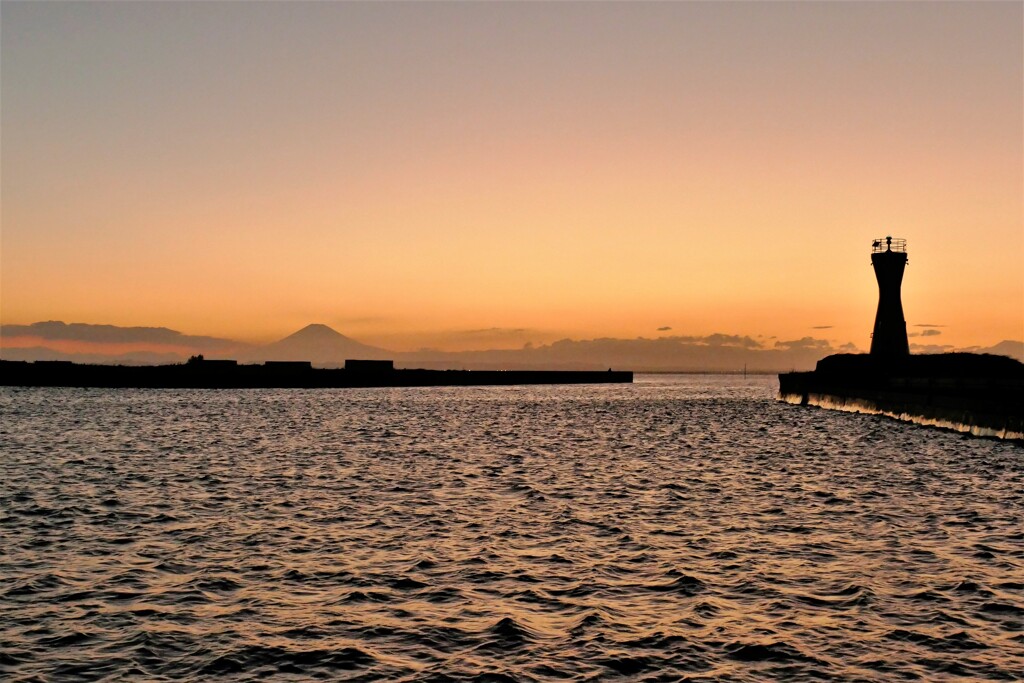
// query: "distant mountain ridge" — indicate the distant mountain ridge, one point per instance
point(325, 347)
point(87, 343)
point(320, 344)
point(37, 353)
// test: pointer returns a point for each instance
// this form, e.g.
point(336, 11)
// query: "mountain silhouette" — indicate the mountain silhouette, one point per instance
point(319, 344)
point(326, 347)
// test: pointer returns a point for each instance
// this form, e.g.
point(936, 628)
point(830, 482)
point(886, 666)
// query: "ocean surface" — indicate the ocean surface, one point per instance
point(680, 528)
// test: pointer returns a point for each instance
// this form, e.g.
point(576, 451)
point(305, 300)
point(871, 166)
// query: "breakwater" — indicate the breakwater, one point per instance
point(973, 393)
point(282, 375)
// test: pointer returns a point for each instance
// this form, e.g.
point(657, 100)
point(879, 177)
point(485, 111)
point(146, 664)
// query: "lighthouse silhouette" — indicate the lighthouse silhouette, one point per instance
point(889, 259)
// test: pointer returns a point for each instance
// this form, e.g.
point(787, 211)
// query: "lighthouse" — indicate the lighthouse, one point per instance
point(889, 259)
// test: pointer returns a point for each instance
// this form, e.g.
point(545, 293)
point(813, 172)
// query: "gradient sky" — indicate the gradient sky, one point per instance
point(476, 174)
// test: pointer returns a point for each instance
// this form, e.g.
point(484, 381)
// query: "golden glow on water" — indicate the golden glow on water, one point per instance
point(681, 526)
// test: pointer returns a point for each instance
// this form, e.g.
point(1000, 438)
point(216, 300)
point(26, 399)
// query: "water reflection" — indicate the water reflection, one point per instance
point(678, 527)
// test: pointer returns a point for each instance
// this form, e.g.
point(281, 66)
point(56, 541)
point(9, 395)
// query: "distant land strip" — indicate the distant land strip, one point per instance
point(279, 375)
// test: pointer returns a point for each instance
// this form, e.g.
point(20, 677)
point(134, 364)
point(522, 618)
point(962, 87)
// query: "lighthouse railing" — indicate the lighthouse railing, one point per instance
point(888, 244)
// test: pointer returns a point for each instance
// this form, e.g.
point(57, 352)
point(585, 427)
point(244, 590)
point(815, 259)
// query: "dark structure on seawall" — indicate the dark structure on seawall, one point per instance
point(980, 394)
point(199, 373)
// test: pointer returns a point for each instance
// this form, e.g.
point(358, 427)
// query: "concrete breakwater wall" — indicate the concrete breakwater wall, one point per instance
point(286, 375)
point(982, 397)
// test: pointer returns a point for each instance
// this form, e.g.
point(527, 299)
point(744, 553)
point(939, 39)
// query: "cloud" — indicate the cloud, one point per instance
point(822, 327)
point(719, 339)
point(927, 325)
point(491, 331)
point(806, 343)
point(664, 329)
point(711, 353)
point(108, 343)
point(487, 337)
point(931, 332)
point(57, 331)
point(931, 348)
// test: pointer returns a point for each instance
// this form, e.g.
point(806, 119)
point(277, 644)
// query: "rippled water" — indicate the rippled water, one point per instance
point(680, 527)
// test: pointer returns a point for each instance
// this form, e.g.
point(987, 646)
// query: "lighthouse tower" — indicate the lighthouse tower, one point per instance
point(889, 258)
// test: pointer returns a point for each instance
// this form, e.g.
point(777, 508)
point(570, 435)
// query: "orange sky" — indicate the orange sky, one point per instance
point(476, 174)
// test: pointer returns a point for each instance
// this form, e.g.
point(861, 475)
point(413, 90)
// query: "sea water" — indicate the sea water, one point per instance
point(682, 527)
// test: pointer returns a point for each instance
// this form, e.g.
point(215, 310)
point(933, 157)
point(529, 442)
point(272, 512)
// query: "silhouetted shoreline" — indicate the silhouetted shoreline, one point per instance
point(227, 374)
